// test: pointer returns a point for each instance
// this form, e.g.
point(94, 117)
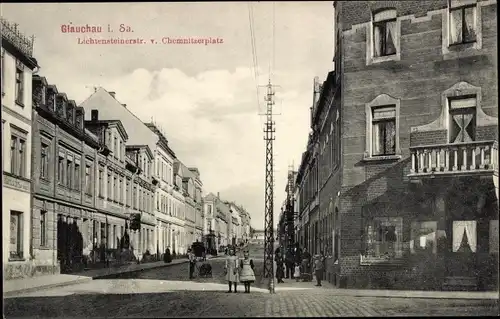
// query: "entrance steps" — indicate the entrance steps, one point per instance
point(460, 284)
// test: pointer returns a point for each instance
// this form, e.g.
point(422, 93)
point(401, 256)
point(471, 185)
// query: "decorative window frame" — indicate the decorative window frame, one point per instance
point(466, 49)
point(379, 101)
point(370, 57)
point(460, 89)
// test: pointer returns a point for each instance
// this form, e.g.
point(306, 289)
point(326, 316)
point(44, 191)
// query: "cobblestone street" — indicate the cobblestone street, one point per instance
point(167, 292)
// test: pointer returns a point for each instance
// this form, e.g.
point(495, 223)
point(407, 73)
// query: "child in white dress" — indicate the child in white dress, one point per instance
point(296, 273)
point(247, 276)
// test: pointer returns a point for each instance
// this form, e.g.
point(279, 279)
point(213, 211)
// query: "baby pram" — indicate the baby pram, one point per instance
point(205, 270)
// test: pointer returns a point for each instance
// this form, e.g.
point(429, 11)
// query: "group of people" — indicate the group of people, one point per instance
point(239, 270)
point(299, 264)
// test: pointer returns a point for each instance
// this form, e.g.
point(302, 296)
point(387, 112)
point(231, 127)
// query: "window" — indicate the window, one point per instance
point(88, 179)
point(44, 160)
point(120, 193)
point(18, 153)
point(134, 195)
point(384, 238)
point(116, 239)
point(423, 237)
point(19, 83)
point(462, 119)
point(115, 187)
point(101, 182)
point(43, 228)
point(463, 25)
point(103, 234)
point(128, 199)
point(78, 174)
point(109, 187)
point(117, 151)
point(384, 33)
point(2, 70)
point(384, 131)
point(69, 166)
point(16, 235)
point(60, 168)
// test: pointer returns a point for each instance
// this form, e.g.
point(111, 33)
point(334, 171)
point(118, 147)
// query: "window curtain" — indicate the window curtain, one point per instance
point(463, 121)
point(390, 38)
point(377, 138)
point(390, 137)
point(470, 17)
point(377, 40)
point(458, 232)
point(456, 26)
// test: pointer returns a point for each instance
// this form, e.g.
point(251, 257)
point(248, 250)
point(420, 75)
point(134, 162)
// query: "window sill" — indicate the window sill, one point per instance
point(382, 158)
point(384, 58)
point(44, 248)
point(19, 103)
point(14, 259)
point(370, 261)
point(101, 197)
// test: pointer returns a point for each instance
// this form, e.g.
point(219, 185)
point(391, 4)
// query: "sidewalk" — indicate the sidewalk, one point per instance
point(291, 285)
point(24, 285)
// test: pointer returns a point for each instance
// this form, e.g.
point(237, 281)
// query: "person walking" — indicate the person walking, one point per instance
point(289, 264)
point(306, 265)
point(231, 269)
point(280, 273)
point(167, 257)
point(247, 275)
point(319, 268)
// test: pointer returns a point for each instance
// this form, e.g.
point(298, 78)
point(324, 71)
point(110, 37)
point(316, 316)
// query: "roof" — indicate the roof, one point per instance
point(210, 197)
point(119, 125)
point(110, 109)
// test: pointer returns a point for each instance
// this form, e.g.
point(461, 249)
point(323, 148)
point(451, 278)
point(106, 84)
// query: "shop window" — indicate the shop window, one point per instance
point(423, 237)
point(43, 228)
point(384, 238)
point(16, 235)
point(494, 236)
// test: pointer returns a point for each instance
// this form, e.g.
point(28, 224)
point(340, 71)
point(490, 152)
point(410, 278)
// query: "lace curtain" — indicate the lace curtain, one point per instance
point(467, 227)
point(456, 26)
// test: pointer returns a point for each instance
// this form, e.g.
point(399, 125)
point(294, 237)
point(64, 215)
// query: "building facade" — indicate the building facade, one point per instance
point(419, 167)
point(179, 237)
point(166, 207)
point(18, 66)
point(198, 204)
point(210, 223)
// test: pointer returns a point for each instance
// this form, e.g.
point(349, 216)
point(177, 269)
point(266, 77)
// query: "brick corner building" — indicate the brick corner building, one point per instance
point(419, 169)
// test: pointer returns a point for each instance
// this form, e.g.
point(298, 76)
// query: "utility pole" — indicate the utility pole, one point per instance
point(269, 136)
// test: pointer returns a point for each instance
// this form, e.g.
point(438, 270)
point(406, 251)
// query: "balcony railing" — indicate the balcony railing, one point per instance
point(458, 158)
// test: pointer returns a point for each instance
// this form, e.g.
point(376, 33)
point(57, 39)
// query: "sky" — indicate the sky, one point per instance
point(204, 97)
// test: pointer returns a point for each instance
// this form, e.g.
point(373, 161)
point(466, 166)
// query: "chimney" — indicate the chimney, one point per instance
point(112, 94)
point(94, 115)
point(124, 105)
point(218, 195)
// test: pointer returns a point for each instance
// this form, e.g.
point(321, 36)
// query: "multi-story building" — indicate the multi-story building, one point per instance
point(179, 236)
point(17, 68)
point(210, 223)
point(198, 203)
point(163, 175)
point(128, 168)
point(418, 203)
point(286, 227)
point(64, 158)
point(124, 190)
point(222, 221)
point(245, 224)
point(188, 188)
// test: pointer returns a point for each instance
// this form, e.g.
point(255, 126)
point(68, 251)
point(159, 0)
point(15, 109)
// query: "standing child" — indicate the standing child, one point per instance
point(296, 273)
point(247, 276)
